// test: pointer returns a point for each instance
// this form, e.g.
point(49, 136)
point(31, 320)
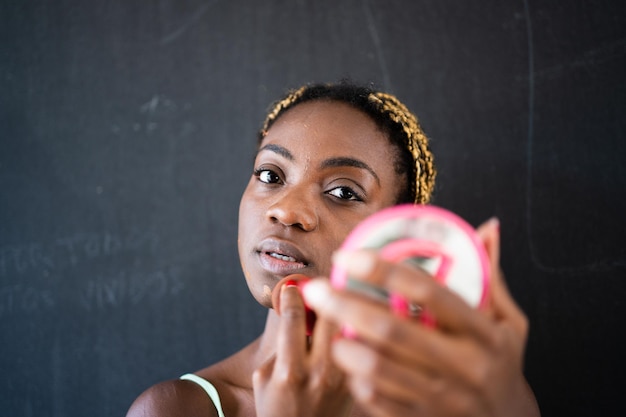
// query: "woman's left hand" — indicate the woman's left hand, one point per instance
point(471, 364)
point(301, 379)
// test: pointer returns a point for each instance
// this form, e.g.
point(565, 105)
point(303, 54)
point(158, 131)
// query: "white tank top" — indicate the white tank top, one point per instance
point(209, 388)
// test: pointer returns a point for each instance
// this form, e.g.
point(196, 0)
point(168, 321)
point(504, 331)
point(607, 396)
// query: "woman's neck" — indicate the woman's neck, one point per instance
point(266, 344)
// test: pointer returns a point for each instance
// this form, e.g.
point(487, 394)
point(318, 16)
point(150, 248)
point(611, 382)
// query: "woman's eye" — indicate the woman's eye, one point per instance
point(345, 193)
point(267, 176)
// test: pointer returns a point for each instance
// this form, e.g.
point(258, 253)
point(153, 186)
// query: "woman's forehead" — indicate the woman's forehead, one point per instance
point(328, 127)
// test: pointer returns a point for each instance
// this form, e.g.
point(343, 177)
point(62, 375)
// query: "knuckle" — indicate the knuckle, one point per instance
point(387, 330)
point(478, 376)
point(291, 377)
point(259, 376)
point(327, 379)
point(292, 313)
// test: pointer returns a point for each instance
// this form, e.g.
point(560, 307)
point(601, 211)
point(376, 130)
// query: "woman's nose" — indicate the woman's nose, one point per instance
point(294, 209)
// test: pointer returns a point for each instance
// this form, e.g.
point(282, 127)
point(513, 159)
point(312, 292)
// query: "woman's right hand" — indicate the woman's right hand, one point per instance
point(470, 364)
point(301, 379)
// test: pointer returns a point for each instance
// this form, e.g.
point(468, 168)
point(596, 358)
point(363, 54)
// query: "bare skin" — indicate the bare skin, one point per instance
point(322, 168)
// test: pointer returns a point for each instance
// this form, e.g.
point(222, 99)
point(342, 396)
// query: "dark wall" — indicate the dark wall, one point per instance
point(127, 133)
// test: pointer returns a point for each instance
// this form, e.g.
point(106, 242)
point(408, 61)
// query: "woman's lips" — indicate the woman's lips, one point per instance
point(280, 264)
point(279, 257)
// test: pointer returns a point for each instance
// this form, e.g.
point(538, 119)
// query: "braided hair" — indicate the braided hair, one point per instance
point(415, 160)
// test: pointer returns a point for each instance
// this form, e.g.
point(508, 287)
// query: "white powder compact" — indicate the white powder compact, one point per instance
point(428, 237)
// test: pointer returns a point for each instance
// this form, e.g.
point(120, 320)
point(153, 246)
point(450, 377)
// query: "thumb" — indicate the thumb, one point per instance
point(501, 304)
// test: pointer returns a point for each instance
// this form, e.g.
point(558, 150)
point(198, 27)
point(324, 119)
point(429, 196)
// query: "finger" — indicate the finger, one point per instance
point(330, 304)
point(450, 310)
point(401, 340)
point(322, 370)
point(407, 381)
point(501, 302)
point(506, 309)
point(291, 341)
point(323, 334)
point(489, 233)
point(393, 380)
point(376, 404)
point(404, 339)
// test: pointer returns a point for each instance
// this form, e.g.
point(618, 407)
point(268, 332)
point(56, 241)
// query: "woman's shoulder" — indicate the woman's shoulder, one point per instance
point(231, 378)
point(173, 398)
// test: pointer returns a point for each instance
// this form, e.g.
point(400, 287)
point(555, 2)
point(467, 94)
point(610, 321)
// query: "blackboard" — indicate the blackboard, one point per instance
point(127, 131)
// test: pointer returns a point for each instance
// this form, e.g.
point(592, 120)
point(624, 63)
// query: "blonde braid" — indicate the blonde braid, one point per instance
point(280, 106)
point(424, 172)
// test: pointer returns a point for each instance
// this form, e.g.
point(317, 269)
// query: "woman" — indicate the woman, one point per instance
point(328, 157)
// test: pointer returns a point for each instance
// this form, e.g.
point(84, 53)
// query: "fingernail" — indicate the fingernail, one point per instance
point(496, 223)
point(356, 263)
point(291, 283)
point(493, 223)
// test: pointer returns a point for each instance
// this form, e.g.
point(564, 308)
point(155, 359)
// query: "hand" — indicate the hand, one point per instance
point(469, 365)
point(301, 379)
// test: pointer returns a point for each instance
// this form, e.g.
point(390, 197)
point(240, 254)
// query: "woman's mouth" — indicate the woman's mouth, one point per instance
point(280, 264)
point(280, 258)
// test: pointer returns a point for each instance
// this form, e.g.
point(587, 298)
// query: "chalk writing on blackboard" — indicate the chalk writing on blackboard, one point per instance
point(71, 250)
point(84, 269)
point(20, 298)
point(126, 287)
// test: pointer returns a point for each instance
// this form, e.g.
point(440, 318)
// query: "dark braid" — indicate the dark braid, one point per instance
point(415, 160)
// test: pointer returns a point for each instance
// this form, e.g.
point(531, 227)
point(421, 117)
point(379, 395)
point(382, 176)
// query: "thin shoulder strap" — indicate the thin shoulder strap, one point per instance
point(209, 388)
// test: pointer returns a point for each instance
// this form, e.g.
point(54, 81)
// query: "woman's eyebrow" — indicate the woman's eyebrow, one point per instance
point(284, 152)
point(348, 162)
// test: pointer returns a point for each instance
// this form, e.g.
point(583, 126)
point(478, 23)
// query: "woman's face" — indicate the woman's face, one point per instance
point(322, 168)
